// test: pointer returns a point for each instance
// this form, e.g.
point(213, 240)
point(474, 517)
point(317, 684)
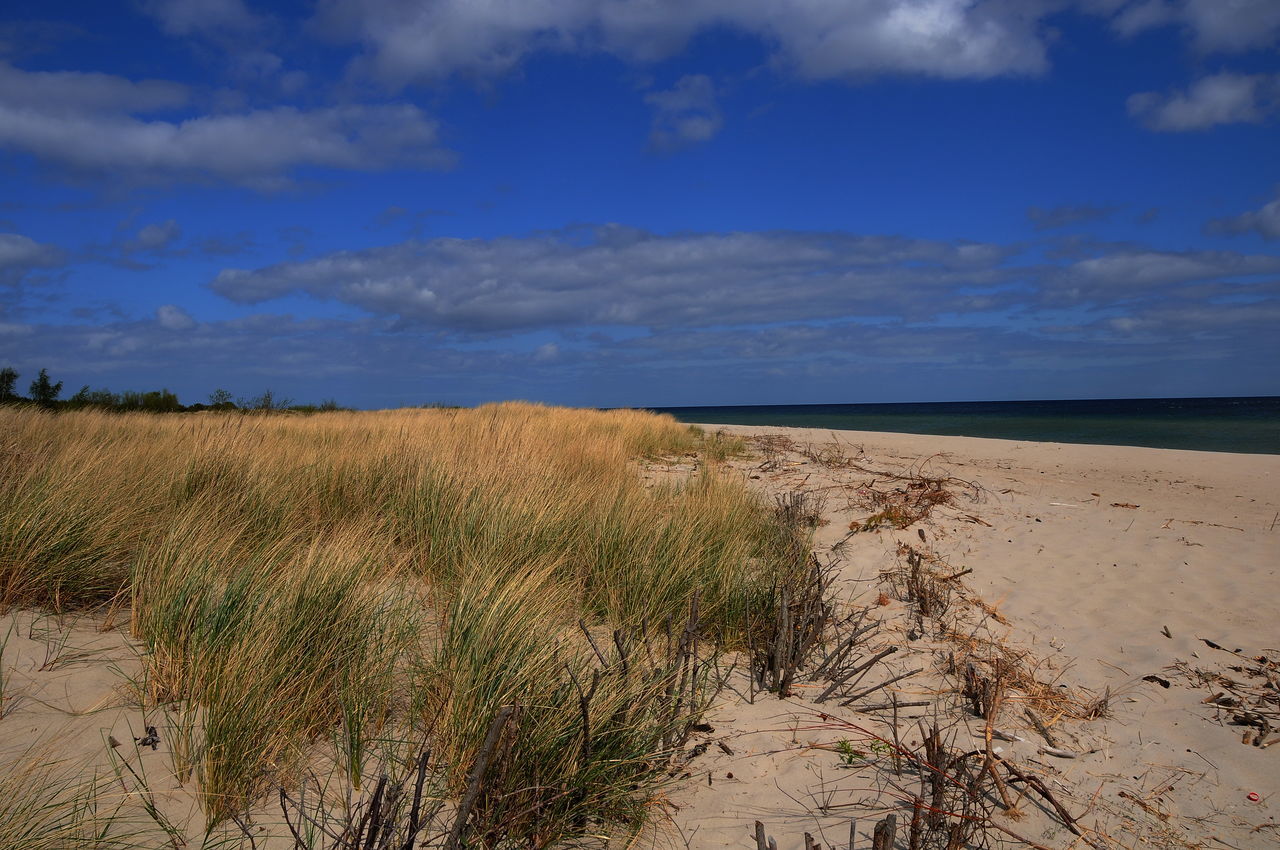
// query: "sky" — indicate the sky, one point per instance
point(642, 202)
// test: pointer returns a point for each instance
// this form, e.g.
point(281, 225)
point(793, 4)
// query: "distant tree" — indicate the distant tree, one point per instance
point(220, 399)
point(8, 379)
point(43, 391)
point(329, 405)
point(86, 397)
point(81, 397)
point(103, 398)
point(267, 402)
point(162, 401)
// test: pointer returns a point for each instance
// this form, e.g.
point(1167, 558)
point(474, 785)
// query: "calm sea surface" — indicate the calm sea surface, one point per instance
point(1206, 424)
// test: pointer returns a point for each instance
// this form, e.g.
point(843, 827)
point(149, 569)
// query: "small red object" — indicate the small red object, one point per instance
point(1253, 796)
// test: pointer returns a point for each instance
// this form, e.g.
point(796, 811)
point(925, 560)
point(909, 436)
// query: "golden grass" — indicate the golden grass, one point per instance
point(350, 578)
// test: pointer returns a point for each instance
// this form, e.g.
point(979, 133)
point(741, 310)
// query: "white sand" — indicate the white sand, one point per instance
point(1085, 584)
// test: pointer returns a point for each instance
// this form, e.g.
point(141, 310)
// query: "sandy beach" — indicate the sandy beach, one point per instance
point(1131, 593)
point(1124, 572)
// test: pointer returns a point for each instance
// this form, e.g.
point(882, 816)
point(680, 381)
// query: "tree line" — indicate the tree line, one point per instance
point(44, 392)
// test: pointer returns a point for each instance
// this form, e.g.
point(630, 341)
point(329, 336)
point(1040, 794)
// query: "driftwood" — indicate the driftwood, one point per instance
point(1036, 784)
point(883, 835)
point(1059, 752)
point(379, 822)
point(1244, 691)
point(1040, 727)
point(784, 646)
point(859, 668)
point(884, 684)
point(885, 706)
point(475, 780)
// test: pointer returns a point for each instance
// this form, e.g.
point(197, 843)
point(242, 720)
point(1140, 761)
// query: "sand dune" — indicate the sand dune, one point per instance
point(1143, 579)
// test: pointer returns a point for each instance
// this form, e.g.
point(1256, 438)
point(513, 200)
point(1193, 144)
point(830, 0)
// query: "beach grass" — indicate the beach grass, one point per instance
point(50, 803)
point(343, 585)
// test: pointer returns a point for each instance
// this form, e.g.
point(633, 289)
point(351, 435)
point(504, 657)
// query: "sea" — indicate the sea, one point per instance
point(1249, 424)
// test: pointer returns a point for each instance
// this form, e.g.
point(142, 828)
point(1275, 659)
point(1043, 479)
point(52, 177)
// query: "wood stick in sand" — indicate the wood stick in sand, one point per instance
point(861, 668)
point(884, 684)
point(1041, 728)
point(477, 776)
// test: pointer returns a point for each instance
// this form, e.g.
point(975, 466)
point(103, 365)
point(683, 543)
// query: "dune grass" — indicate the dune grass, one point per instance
point(357, 581)
point(50, 804)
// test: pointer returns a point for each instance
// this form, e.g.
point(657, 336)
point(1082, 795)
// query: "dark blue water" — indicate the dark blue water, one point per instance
point(1205, 424)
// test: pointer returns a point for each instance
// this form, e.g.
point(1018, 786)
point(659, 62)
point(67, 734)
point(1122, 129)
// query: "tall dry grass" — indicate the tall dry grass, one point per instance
point(357, 581)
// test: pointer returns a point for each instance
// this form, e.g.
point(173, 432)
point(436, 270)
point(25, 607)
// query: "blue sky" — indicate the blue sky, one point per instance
point(643, 202)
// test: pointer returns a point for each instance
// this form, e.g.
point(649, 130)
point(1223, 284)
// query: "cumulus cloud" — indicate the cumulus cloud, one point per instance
point(1062, 216)
point(1265, 222)
point(1224, 98)
point(1213, 25)
point(74, 129)
point(685, 114)
point(20, 255)
point(821, 39)
point(173, 318)
point(618, 275)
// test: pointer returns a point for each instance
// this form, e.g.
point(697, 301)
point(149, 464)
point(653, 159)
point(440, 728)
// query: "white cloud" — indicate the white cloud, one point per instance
point(1122, 276)
point(20, 255)
point(71, 127)
point(414, 42)
point(186, 17)
point(154, 238)
point(1265, 222)
point(1139, 269)
point(612, 275)
point(618, 275)
point(1213, 25)
point(1224, 98)
point(173, 318)
point(75, 91)
point(684, 115)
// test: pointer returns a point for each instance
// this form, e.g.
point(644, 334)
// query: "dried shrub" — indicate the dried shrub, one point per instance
point(782, 645)
point(800, 509)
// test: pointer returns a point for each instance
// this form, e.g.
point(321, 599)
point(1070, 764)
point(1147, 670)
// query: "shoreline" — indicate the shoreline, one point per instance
point(1235, 425)
point(869, 437)
point(917, 442)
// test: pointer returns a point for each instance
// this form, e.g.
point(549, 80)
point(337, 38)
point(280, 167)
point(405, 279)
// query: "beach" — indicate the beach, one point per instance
point(1089, 631)
point(1134, 574)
